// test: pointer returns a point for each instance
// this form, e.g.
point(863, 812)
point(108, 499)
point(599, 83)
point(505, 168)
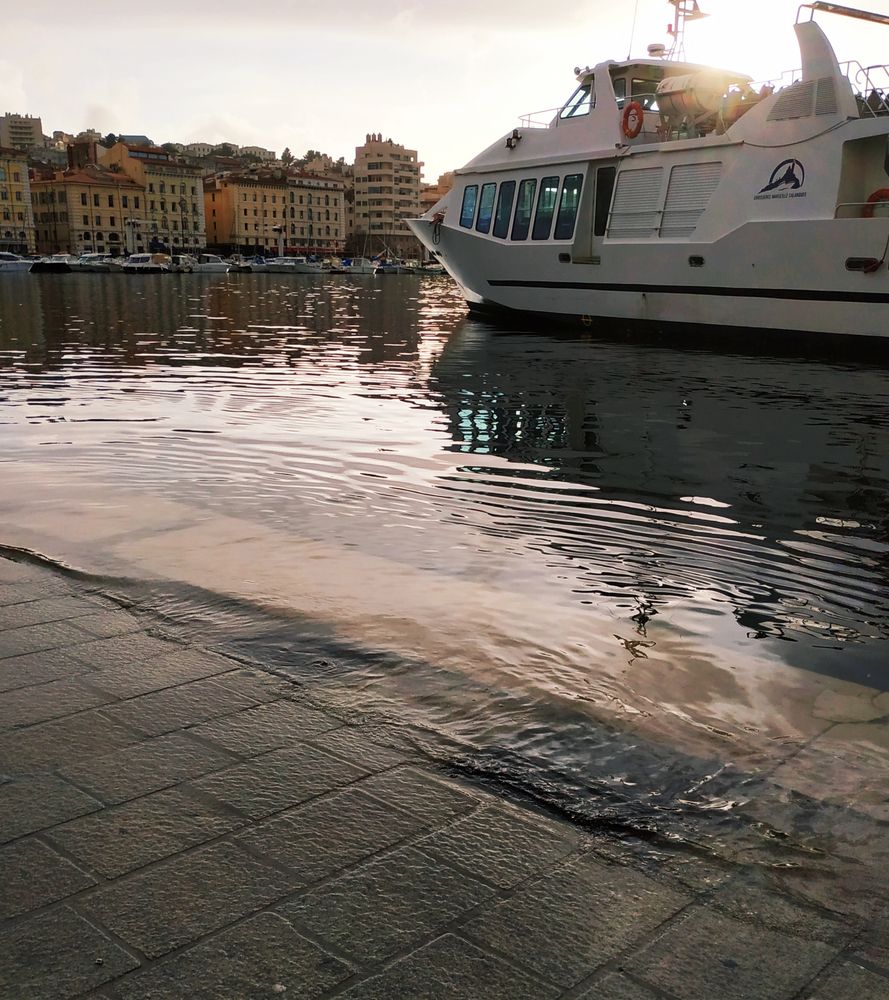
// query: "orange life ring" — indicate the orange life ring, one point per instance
point(633, 108)
point(881, 194)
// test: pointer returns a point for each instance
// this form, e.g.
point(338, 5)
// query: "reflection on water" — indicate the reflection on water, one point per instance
point(631, 578)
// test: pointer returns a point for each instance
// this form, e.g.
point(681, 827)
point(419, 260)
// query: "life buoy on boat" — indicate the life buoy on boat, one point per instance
point(633, 109)
point(881, 194)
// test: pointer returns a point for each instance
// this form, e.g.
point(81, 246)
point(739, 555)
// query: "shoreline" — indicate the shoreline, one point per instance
point(175, 823)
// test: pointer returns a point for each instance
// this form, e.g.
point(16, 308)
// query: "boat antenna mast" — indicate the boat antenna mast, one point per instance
point(685, 10)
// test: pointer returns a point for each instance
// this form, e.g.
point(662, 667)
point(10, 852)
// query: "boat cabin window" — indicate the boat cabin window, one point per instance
point(604, 190)
point(486, 207)
point(504, 209)
point(546, 206)
point(467, 212)
point(579, 103)
point(568, 207)
point(521, 224)
point(642, 90)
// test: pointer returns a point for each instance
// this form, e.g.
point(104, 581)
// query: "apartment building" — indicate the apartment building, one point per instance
point(173, 192)
point(16, 218)
point(86, 208)
point(253, 210)
point(387, 191)
point(20, 131)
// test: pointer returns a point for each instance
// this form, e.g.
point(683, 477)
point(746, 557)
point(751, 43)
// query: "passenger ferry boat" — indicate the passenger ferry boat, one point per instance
point(673, 193)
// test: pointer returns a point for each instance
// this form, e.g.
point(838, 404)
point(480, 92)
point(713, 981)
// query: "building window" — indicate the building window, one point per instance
point(136, 201)
point(467, 212)
point(95, 200)
point(83, 198)
point(546, 206)
point(86, 220)
point(124, 201)
point(521, 224)
point(163, 188)
point(111, 201)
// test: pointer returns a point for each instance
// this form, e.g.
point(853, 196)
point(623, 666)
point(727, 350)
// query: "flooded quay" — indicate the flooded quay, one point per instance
point(642, 584)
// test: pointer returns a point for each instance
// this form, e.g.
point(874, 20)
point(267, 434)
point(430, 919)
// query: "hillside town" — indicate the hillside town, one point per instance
point(120, 194)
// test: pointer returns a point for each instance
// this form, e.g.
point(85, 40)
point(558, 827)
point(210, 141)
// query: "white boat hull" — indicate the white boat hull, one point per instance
point(762, 276)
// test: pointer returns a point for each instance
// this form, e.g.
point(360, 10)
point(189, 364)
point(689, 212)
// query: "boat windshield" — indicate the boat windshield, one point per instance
point(579, 103)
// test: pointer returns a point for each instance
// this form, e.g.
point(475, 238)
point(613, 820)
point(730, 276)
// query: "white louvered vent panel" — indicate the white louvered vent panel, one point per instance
point(794, 102)
point(689, 192)
point(826, 96)
point(634, 211)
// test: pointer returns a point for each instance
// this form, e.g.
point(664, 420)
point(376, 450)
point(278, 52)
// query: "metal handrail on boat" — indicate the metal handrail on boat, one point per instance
point(858, 207)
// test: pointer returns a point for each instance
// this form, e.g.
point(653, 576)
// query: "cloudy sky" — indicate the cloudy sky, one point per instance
point(445, 78)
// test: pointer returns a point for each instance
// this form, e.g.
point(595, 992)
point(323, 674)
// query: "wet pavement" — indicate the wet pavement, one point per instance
point(177, 823)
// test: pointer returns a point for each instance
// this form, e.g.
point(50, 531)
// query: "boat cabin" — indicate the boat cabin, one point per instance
point(661, 100)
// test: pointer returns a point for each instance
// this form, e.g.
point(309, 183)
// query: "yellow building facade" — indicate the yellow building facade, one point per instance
point(173, 192)
point(387, 191)
point(86, 209)
point(248, 212)
point(17, 234)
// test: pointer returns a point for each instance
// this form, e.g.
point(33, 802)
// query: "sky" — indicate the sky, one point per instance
point(445, 78)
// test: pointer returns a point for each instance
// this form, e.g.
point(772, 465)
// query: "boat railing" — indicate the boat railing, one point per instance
point(539, 119)
point(857, 209)
point(870, 83)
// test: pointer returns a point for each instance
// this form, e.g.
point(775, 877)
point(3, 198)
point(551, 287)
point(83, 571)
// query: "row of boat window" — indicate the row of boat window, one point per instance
point(492, 211)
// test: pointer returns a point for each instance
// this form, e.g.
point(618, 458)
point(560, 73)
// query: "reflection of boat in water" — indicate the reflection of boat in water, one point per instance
point(680, 488)
point(57, 263)
point(667, 192)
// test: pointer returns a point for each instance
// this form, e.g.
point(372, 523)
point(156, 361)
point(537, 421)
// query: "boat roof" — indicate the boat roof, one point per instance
point(666, 67)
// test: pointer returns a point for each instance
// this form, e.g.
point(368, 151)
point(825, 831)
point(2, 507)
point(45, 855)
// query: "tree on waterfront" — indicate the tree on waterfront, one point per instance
point(109, 140)
point(287, 157)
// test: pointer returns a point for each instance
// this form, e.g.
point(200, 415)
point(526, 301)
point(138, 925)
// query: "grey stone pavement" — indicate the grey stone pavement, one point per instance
point(175, 824)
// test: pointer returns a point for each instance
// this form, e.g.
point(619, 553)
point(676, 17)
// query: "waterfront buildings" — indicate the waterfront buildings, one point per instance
point(387, 191)
point(20, 131)
point(86, 208)
point(255, 209)
point(17, 233)
point(172, 191)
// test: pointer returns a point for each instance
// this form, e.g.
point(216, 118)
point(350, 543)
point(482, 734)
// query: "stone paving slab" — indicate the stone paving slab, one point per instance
point(707, 954)
point(180, 900)
point(147, 766)
point(388, 905)
point(277, 780)
point(29, 805)
point(847, 981)
point(177, 707)
point(32, 875)
point(599, 910)
point(49, 609)
point(260, 958)
point(159, 672)
point(453, 969)
point(326, 835)
point(31, 669)
point(27, 706)
point(121, 838)
point(617, 986)
point(501, 844)
point(266, 727)
point(64, 741)
point(55, 956)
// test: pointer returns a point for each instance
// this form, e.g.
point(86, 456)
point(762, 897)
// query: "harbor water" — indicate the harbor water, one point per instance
point(643, 583)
